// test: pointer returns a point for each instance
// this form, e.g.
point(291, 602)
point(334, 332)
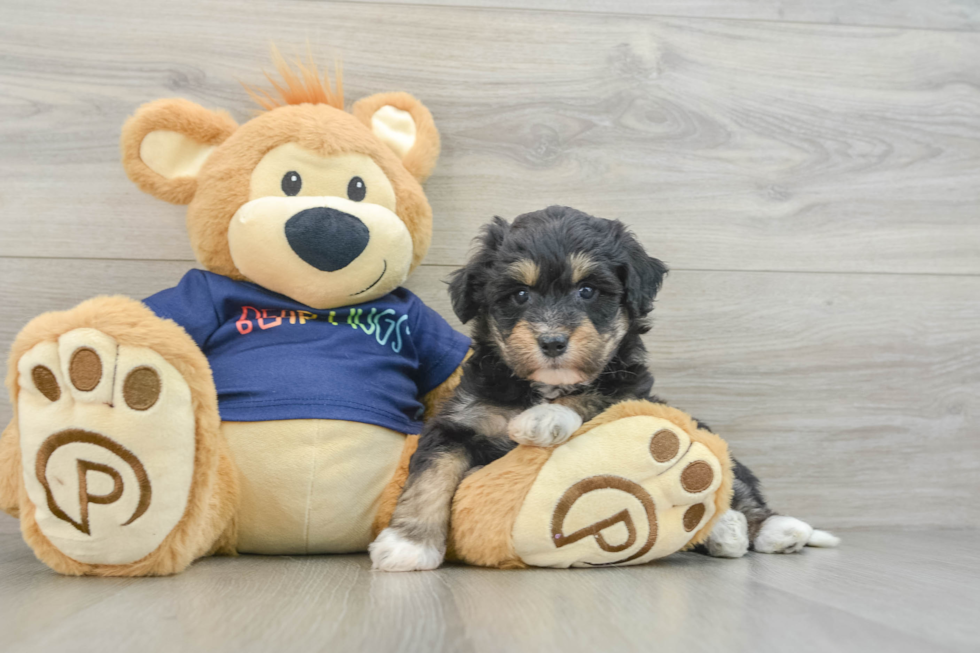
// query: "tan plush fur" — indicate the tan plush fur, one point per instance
point(207, 522)
point(176, 115)
point(434, 399)
point(486, 505)
point(10, 470)
point(421, 159)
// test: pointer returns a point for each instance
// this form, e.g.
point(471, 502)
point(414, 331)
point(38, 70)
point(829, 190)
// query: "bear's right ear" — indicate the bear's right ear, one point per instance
point(405, 125)
point(165, 143)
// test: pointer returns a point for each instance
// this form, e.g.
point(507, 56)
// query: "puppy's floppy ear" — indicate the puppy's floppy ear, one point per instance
point(467, 283)
point(165, 143)
point(403, 124)
point(642, 276)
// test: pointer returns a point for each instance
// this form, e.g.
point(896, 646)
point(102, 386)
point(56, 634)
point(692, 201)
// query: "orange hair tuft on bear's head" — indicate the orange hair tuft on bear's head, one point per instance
point(304, 87)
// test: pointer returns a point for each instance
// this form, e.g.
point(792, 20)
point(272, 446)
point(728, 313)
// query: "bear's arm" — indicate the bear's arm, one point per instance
point(434, 399)
point(190, 304)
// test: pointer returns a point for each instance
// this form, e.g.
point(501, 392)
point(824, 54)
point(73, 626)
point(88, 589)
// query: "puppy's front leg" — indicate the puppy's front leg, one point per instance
point(416, 537)
point(544, 425)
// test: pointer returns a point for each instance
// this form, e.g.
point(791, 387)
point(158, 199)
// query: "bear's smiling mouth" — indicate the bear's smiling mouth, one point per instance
point(361, 292)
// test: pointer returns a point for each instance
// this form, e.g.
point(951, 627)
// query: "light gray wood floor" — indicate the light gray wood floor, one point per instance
point(884, 590)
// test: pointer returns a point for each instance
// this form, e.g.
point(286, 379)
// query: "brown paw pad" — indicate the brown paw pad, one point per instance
point(693, 516)
point(45, 382)
point(85, 369)
point(142, 388)
point(697, 477)
point(664, 445)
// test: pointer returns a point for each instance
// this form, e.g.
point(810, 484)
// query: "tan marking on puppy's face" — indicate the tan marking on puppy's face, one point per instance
point(582, 266)
point(320, 229)
point(519, 349)
point(585, 348)
point(526, 271)
point(588, 352)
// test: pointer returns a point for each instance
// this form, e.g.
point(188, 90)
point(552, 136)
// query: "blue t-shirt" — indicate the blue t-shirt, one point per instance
point(274, 358)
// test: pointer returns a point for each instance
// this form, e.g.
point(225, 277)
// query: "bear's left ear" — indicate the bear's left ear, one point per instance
point(165, 143)
point(403, 124)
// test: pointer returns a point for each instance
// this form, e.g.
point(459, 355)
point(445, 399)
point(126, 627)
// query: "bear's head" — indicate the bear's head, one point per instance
point(306, 199)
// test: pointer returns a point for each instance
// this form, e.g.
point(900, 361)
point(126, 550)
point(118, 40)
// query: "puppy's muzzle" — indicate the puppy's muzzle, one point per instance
point(327, 239)
point(553, 345)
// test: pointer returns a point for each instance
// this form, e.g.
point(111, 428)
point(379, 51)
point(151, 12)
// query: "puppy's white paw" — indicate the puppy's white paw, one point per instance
point(730, 536)
point(392, 552)
point(544, 425)
point(781, 534)
point(823, 539)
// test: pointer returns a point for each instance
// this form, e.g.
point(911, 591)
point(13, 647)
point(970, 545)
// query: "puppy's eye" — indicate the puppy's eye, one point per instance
point(356, 190)
point(521, 296)
point(587, 292)
point(291, 183)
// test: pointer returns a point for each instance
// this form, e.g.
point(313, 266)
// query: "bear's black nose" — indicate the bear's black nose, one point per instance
point(327, 239)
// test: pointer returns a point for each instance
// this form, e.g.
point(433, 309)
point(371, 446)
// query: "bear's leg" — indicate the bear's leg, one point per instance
point(639, 482)
point(115, 452)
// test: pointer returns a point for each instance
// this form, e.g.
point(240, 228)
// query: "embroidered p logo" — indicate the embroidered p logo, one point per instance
point(83, 468)
point(606, 482)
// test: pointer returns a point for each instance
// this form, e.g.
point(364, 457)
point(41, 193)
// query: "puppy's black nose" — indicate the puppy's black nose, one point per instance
point(553, 344)
point(327, 239)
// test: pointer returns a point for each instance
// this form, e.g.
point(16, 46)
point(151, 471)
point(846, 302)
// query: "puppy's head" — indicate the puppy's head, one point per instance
point(556, 292)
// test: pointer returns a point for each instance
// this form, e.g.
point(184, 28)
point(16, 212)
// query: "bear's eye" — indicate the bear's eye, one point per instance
point(291, 183)
point(356, 190)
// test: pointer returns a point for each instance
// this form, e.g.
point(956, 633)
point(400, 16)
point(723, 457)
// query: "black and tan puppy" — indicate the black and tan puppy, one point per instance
point(558, 302)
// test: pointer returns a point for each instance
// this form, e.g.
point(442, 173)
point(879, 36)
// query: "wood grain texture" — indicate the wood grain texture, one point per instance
point(855, 397)
point(884, 590)
point(935, 14)
point(725, 144)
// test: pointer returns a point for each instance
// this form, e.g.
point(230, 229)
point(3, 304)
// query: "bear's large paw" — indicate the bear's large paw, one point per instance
point(623, 493)
point(107, 445)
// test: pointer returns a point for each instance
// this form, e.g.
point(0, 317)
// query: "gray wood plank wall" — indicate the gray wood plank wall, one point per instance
point(810, 171)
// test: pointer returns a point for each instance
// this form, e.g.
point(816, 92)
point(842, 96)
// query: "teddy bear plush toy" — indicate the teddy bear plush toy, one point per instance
point(270, 403)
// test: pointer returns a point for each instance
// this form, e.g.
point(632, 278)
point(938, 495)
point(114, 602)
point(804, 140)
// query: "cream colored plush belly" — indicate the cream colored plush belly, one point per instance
point(310, 485)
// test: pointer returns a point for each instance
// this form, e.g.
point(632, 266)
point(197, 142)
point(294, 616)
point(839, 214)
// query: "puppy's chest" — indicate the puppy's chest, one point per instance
point(549, 393)
point(586, 402)
point(492, 420)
